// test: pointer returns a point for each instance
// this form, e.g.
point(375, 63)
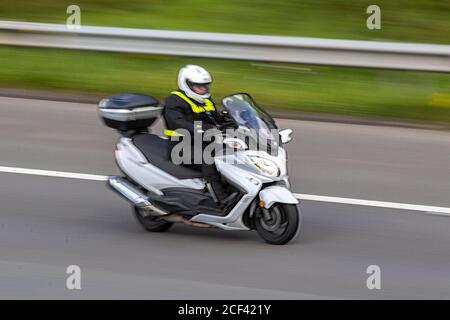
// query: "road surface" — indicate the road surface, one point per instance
point(49, 223)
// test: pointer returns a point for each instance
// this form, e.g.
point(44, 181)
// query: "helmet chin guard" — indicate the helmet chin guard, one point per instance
point(195, 75)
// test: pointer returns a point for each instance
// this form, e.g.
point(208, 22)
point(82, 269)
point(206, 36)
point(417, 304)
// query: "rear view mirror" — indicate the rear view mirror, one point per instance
point(286, 135)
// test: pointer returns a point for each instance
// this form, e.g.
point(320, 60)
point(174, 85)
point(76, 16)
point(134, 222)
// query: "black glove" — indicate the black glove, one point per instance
point(208, 126)
point(230, 124)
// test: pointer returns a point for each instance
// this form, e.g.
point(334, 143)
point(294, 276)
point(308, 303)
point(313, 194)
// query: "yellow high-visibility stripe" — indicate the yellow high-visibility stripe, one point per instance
point(209, 106)
point(172, 133)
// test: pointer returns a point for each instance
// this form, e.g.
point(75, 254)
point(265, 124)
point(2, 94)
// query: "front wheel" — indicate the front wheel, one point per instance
point(151, 223)
point(279, 224)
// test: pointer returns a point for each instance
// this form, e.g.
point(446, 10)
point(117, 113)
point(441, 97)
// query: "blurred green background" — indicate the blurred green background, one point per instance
point(418, 96)
point(402, 20)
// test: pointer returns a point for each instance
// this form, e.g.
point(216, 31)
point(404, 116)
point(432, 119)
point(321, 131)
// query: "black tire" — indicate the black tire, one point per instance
point(151, 223)
point(281, 225)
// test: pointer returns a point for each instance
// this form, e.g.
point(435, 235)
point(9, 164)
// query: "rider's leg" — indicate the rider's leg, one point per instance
point(212, 176)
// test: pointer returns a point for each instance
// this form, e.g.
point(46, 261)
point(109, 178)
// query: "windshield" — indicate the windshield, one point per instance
point(246, 113)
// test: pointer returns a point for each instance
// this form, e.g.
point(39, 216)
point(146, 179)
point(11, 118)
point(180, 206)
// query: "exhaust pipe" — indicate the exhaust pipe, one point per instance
point(179, 218)
point(134, 195)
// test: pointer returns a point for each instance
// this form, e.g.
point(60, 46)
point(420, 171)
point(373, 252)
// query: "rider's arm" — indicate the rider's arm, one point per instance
point(176, 117)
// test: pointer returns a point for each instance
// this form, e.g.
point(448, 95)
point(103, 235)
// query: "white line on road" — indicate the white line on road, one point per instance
point(49, 173)
point(380, 204)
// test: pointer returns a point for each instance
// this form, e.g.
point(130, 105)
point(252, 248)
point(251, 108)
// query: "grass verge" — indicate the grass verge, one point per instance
point(418, 96)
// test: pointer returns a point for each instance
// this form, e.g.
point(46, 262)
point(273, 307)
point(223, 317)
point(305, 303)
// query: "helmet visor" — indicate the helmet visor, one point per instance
point(199, 88)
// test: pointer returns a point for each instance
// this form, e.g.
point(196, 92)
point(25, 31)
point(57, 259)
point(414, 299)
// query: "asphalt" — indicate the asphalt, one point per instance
point(47, 224)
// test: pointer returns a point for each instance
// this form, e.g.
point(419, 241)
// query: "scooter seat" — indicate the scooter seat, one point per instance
point(157, 152)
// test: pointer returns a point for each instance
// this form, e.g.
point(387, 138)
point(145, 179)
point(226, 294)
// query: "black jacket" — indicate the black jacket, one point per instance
point(178, 114)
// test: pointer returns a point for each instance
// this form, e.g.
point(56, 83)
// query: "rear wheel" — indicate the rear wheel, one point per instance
point(279, 224)
point(151, 223)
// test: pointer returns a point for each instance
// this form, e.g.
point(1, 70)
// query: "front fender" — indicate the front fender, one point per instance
point(273, 194)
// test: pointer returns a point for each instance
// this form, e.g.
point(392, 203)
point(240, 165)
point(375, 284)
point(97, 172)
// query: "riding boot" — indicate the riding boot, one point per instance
point(217, 188)
point(212, 176)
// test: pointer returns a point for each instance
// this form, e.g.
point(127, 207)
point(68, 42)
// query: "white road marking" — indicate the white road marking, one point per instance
point(360, 202)
point(380, 204)
point(49, 173)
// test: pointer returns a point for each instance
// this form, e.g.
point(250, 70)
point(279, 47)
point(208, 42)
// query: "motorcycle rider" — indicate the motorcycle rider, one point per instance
point(192, 103)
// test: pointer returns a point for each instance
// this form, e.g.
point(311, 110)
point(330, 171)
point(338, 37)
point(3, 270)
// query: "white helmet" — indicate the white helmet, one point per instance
point(191, 76)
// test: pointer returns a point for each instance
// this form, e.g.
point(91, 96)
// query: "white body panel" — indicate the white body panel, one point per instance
point(273, 194)
point(134, 164)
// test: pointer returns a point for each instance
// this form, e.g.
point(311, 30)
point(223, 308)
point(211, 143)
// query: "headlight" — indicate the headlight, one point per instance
point(234, 143)
point(268, 167)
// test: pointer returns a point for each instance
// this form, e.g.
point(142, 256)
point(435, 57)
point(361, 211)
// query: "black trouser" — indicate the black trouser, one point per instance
point(210, 174)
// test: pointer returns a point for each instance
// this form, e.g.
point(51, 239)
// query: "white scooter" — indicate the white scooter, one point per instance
point(163, 193)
